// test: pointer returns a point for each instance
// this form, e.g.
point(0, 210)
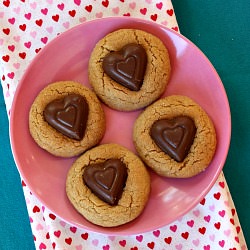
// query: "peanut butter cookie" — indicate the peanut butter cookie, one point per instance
point(109, 185)
point(129, 69)
point(66, 119)
point(175, 137)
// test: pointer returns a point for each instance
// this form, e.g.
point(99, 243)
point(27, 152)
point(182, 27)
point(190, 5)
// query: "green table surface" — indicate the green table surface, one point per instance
point(221, 30)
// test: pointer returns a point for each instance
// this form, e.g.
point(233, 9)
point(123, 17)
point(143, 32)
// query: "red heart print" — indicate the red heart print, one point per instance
point(6, 31)
point(88, 8)
point(68, 240)
point(222, 213)
point(72, 13)
point(222, 184)
point(185, 235)
point(39, 22)
point(143, 11)
point(37, 50)
point(217, 195)
point(27, 44)
point(6, 58)
point(233, 211)
point(11, 75)
point(207, 218)
point(57, 233)
point(44, 11)
point(151, 245)
point(105, 3)
point(222, 243)
point(232, 221)
point(190, 223)
point(12, 20)
point(73, 229)
point(122, 243)
point(52, 216)
point(27, 16)
point(44, 39)
point(6, 3)
point(173, 228)
point(175, 28)
point(36, 209)
point(202, 230)
point(22, 55)
point(77, 2)
point(159, 5)
point(156, 233)
point(170, 12)
point(106, 247)
point(168, 240)
point(22, 27)
point(55, 17)
point(42, 246)
point(217, 225)
point(139, 238)
point(60, 6)
point(154, 17)
point(85, 236)
point(202, 202)
point(11, 48)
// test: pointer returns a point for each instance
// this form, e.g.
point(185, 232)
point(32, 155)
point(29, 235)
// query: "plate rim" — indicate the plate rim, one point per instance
point(129, 19)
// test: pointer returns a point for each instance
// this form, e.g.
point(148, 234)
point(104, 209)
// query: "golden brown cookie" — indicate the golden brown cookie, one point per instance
point(117, 47)
point(135, 192)
point(75, 110)
point(164, 131)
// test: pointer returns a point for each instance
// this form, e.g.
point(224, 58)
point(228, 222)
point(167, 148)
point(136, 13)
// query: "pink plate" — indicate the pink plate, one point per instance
point(66, 58)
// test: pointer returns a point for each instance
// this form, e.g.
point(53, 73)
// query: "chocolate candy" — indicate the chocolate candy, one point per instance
point(68, 115)
point(174, 136)
point(106, 180)
point(127, 66)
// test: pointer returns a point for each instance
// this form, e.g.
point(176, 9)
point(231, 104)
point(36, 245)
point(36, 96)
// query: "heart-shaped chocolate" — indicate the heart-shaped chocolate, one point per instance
point(174, 136)
point(68, 115)
point(127, 66)
point(106, 180)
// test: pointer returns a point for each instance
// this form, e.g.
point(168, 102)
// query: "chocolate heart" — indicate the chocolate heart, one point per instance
point(174, 136)
point(106, 180)
point(127, 66)
point(68, 115)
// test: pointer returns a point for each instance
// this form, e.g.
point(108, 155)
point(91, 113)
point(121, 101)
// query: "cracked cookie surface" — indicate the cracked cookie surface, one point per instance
point(201, 151)
point(156, 75)
point(55, 142)
point(135, 193)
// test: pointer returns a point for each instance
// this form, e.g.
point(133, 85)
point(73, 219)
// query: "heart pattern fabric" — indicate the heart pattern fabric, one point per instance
point(25, 28)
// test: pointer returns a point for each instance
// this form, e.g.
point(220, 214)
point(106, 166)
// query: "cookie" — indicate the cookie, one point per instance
point(66, 119)
point(105, 166)
point(175, 137)
point(129, 69)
